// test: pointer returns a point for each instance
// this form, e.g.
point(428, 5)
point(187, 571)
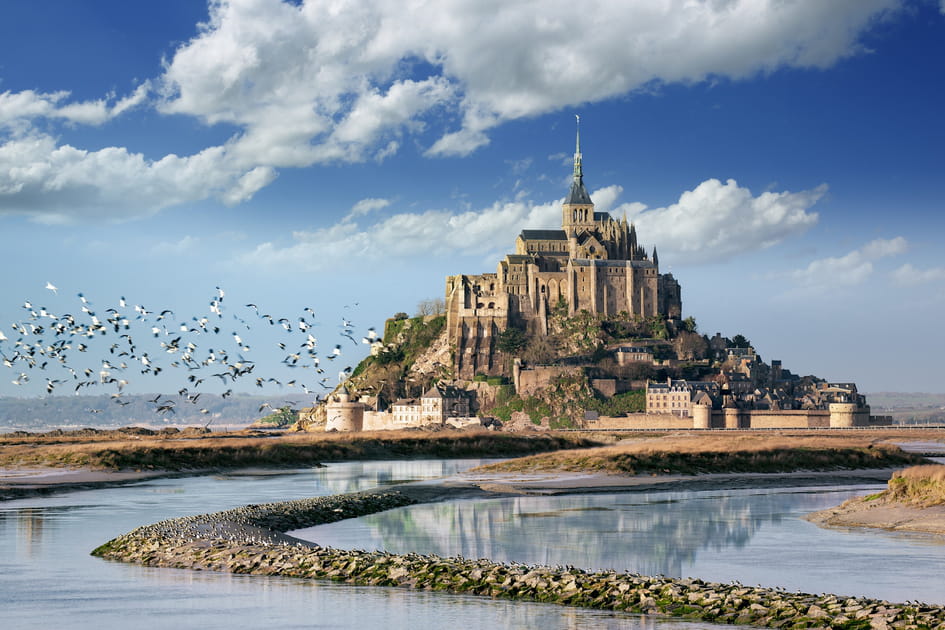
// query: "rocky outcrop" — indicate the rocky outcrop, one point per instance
point(251, 539)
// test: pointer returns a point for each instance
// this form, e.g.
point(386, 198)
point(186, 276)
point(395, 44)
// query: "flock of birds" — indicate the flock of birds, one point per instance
point(110, 347)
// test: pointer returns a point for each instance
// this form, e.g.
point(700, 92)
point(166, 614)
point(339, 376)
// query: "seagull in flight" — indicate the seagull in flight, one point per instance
point(49, 285)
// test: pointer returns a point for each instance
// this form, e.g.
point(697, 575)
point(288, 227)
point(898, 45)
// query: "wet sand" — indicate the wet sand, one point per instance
point(879, 514)
point(18, 483)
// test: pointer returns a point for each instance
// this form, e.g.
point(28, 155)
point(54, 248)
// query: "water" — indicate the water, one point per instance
point(48, 579)
point(752, 536)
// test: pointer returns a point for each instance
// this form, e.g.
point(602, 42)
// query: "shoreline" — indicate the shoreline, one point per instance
point(864, 512)
point(24, 483)
point(253, 539)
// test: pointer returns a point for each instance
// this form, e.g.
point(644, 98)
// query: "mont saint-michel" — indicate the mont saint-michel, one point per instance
point(577, 328)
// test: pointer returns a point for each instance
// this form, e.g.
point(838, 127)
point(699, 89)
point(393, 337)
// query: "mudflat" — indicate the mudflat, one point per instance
point(860, 512)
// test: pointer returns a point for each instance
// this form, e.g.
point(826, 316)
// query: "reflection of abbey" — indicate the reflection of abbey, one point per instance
point(593, 263)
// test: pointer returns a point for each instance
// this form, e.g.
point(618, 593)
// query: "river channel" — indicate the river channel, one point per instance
point(48, 579)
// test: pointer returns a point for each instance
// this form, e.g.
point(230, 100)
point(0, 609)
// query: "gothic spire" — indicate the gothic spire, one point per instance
point(578, 194)
point(656, 259)
point(578, 170)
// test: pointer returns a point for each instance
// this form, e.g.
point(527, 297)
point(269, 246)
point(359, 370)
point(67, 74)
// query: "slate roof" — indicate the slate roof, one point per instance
point(544, 235)
point(578, 193)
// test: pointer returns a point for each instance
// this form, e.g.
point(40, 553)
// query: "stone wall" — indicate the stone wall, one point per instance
point(532, 380)
point(788, 419)
point(728, 419)
point(641, 421)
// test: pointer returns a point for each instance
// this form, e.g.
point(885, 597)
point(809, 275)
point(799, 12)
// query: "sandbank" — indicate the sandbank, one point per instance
point(18, 483)
point(861, 512)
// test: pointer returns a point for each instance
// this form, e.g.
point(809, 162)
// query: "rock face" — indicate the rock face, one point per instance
point(251, 540)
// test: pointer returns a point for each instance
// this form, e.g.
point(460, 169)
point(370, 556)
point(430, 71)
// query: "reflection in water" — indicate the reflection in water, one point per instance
point(357, 476)
point(756, 537)
point(48, 579)
point(655, 534)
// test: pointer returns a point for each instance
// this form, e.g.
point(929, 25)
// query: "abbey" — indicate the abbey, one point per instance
point(592, 263)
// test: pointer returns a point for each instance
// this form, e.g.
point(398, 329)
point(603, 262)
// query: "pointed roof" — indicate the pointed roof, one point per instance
point(578, 193)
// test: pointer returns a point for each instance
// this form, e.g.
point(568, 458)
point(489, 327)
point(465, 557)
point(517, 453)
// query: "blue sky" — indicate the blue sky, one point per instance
point(787, 159)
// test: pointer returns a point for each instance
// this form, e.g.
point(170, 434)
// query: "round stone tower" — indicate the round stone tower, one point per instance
point(343, 414)
point(701, 416)
point(847, 415)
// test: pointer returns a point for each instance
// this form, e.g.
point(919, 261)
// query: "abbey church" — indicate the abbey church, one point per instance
point(592, 263)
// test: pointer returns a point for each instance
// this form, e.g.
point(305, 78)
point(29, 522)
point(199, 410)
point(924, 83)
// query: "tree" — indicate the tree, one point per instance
point(511, 340)
point(740, 341)
point(540, 350)
point(689, 324)
point(657, 326)
point(435, 306)
point(690, 345)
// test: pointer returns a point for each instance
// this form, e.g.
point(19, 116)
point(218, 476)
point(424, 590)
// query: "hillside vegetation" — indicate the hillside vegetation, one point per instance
point(401, 365)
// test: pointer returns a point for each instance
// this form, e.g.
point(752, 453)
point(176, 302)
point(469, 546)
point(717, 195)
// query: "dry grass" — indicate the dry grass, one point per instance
point(922, 486)
point(738, 452)
point(242, 449)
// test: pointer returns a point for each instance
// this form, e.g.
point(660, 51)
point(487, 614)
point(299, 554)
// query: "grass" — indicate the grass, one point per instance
point(921, 486)
point(741, 452)
point(238, 450)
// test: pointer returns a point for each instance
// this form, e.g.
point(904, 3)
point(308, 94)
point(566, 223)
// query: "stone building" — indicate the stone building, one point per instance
point(593, 263)
point(437, 406)
point(677, 397)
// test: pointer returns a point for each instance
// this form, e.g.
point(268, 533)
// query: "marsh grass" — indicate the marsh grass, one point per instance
point(922, 486)
point(725, 453)
point(240, 450)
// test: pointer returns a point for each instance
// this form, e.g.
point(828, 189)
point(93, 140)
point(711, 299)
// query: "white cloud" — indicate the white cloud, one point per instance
point(247, 185)
point(909, 275)
point(366, 206)
point(725, 220)
point(59, 184)
point(849, 270)
point(408, 235)
point(17, 109)
point(717, 221)
point(317, 81)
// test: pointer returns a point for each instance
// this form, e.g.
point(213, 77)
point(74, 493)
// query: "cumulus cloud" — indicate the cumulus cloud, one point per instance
point(717, 221)
point(315, 81)
point(909, 275)
point(849, 270)
point(17, 109)
point(726, 220)
point(408, 235)
point(61, 183)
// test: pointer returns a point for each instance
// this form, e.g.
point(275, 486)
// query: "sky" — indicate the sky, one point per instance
point(786, 158)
